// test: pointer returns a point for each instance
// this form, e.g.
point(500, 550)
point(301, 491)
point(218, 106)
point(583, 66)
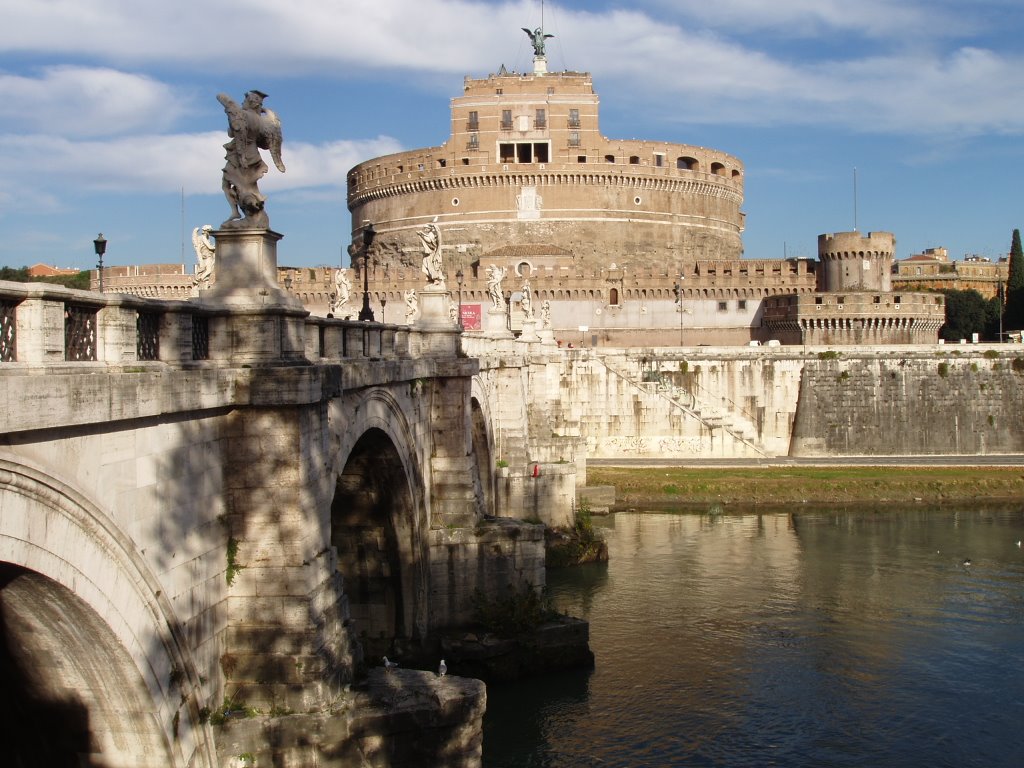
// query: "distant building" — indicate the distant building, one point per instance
point(932, 270)
point(45, 270)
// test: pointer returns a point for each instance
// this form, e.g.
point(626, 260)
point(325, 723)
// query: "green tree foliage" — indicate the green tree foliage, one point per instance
point(967, 313)
point(78, 280)
point(1013, 316)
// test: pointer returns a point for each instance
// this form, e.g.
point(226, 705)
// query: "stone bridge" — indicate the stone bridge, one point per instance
point(224, 506)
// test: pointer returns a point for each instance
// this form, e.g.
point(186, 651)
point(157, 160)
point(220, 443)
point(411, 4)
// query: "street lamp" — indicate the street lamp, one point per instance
point(368, 234)
point(999, 296)
point(100, 244)
point(459, 278)
point(677, 289)
point(508, 309)
point(288, 282)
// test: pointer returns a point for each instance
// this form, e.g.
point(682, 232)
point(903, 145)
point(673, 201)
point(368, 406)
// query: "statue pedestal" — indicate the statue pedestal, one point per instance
point(263, 325)
point(497, 324)
point(547, 337)
point(434, 313)
point(529, 333)
point(246, 270)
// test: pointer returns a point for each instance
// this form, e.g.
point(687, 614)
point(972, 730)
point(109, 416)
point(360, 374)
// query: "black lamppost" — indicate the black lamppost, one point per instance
point(508, 309)
point(100, 244)
point(459, 277)
point(368, 234)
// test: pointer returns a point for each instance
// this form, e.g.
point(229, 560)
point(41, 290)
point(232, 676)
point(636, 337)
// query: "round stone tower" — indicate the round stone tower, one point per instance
point(525, 165)
point(850, 261)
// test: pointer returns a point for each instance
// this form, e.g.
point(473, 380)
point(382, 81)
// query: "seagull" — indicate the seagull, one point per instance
point(967, 561)
point(389, 665)
point(443, 669)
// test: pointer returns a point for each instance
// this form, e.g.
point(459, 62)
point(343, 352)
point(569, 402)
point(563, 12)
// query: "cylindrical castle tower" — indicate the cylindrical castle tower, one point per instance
point(850, 261)
point(526, 166)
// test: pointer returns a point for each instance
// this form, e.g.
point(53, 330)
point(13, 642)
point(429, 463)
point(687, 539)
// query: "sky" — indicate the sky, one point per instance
point(899, 115)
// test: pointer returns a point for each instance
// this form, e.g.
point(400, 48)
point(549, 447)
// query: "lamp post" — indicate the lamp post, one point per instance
point(999, 295)
point(100, 244)
point(459, 278)
point(368, 234)
point(288, 282)
point(508, 310)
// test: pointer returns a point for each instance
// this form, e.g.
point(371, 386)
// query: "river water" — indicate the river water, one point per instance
point(820, 638)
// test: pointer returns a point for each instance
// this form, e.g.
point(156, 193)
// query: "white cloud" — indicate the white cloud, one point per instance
point(82, 101)
point(808, 18)
point(159, 163)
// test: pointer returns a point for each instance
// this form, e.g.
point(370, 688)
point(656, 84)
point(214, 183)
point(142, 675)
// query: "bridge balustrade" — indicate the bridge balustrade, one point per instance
point(43, 323)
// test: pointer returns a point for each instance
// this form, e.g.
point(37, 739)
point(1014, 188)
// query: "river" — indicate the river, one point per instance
point(819, 638)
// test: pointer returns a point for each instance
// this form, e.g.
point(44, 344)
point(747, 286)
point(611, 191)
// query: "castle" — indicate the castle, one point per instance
point(629, 243)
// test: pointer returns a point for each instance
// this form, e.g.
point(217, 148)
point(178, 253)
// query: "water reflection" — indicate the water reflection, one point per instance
point(816, 638)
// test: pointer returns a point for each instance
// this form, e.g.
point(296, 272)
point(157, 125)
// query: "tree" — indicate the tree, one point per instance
point(1013, 314)
point(967, 313)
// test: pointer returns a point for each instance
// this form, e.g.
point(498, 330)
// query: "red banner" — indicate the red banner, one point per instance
point(472, 317)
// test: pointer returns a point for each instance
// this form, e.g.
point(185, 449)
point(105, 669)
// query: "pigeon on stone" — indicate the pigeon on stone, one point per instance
point(443, 669)
point(389, 665)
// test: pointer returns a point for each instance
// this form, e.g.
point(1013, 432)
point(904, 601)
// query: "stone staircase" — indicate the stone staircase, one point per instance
point(711, 415)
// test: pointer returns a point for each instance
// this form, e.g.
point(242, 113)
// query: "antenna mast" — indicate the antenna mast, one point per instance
point(855, 199)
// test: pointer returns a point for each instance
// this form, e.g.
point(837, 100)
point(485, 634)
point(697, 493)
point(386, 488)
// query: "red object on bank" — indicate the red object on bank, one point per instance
point(536, 470)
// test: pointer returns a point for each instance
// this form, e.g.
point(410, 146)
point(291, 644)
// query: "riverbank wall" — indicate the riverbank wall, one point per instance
point(763, 402)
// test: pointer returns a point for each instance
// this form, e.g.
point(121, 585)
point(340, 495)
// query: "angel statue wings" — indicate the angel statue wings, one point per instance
point(537, 38)
point(251, 127)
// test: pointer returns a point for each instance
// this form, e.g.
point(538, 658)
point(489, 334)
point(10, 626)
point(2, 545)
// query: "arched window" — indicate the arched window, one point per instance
point(613, 297)
point(687, 164)
point(718, 169)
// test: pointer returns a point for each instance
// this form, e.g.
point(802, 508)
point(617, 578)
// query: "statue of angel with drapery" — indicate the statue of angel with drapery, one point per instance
point(251, 127)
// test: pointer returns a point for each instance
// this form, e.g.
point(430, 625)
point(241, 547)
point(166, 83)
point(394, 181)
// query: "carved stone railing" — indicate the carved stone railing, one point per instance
point(49, 324)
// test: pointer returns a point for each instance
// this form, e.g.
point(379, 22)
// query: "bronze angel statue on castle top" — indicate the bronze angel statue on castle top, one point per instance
point(252, 127)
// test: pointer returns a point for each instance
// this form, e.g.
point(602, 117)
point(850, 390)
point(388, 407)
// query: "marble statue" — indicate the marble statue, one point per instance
point(343, 290)
point(537, 38)
point(495, 275)
point(251, 127)
point(433, 268)
point(545, 314)
point(206, 250)
point(527, 301)
point(412, 306)
point(453, 311)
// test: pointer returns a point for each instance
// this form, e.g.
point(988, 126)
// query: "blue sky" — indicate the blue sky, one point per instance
point(108, 110)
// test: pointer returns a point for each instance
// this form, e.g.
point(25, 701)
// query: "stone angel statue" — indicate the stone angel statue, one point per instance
point(412, 306)
point(251, 127)
point(343, 291)
point(495, 275)
point(206, 250)
point(432, 267)
point(527, 301)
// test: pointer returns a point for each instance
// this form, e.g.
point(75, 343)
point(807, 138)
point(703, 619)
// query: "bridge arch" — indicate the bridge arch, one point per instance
point(86, 632)
point(483, 440)
point(379, 527)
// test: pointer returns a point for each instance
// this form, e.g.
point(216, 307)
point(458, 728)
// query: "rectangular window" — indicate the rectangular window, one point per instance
point(574, 118)
point(474, 121)
point(659, 160)
point(723, 306)
point(741, 304)
point(581, 158)
point(541, 119)
point(474, 140)
point(506, 119)
point(507, 152)
point(574, 138)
